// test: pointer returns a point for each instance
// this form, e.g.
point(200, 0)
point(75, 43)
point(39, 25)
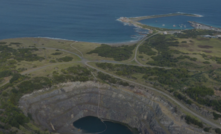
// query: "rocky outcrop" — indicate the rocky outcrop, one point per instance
point(57, 108)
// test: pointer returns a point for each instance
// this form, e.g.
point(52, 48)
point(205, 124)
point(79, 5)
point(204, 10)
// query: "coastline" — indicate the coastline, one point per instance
point(131, 42)
point(197, 25)
point(123, 43)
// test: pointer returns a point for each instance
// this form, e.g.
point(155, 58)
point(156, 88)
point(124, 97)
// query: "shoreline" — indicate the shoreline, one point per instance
point(123, 43)
point(131, 42)
point(197, 25)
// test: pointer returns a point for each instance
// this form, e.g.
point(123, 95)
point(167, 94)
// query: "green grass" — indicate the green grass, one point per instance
point(48, 70)
point(48, 57)
point(192, 49)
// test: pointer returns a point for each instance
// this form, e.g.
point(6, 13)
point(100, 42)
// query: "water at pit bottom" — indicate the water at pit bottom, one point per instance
point(95, 125)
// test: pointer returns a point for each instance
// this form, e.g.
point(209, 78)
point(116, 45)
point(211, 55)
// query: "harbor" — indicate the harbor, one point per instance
point(134, 21)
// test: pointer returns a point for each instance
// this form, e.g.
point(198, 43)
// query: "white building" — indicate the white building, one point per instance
point(165, 32)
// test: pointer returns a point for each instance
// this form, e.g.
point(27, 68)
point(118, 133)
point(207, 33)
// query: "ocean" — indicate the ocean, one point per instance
point(96, 20)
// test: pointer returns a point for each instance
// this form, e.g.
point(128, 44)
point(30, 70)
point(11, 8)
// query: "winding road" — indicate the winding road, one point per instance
point(135, 55)
point(154, 89)
point(85, 61)
point(165, 94)
point(77, 50)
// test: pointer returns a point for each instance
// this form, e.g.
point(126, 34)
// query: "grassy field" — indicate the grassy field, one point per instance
point(145, 58)
point(200, 45)
point(193, 48)
point(137, 77)
point(196, 47)
point(50, 68)
point(47, 54)
point(84, 47)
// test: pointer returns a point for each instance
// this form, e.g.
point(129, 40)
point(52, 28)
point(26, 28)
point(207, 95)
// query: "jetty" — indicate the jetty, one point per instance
point(163, 15)
point(135, 21)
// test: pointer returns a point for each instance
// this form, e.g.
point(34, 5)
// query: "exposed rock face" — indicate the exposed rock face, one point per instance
point(57, 109)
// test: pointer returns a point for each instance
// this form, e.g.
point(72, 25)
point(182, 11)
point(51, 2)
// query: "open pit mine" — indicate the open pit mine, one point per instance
point(56, 108)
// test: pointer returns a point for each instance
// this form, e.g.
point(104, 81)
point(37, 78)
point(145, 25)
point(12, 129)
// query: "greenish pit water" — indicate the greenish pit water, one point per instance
point(94, 125)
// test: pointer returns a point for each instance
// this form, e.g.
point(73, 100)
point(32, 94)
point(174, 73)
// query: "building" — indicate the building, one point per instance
point(165, 32)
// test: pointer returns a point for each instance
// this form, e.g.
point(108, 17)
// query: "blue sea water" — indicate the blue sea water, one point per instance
point(95, 20)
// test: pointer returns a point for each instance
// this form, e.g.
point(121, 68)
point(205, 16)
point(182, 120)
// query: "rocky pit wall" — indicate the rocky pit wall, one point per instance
point(57, 109)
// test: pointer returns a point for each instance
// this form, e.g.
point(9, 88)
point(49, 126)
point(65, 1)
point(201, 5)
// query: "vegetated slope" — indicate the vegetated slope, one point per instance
point(187, 86)
point(11, 115)
point(190, 86)
point(181, 50)
point(12, 119)
point(117, 53)
point(191, 83)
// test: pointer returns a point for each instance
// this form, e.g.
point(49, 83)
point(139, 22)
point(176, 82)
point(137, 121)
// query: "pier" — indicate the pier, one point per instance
point(163, 15)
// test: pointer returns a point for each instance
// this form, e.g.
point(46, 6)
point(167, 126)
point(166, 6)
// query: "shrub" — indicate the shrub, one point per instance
point(34, 84)
point(118, 53)
point(183, 98)
point(206, 62)
point(16, 77)
point(218, 131)
point(2, 43)
point(5, 73)
point(140, 56)
point(190, 120)
point(216, 116)
point(147, 50)
point(4, 93)
point(57, 53)
point(199, 91)
point(207, 129)
point(65, 59)
point(52, 61)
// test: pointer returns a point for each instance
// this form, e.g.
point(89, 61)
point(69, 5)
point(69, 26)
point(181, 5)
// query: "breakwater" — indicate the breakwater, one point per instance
point(163, 15)
point(135, 20)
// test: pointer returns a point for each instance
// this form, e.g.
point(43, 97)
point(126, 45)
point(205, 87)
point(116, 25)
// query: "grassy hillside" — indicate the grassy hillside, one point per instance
point(187, 67)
